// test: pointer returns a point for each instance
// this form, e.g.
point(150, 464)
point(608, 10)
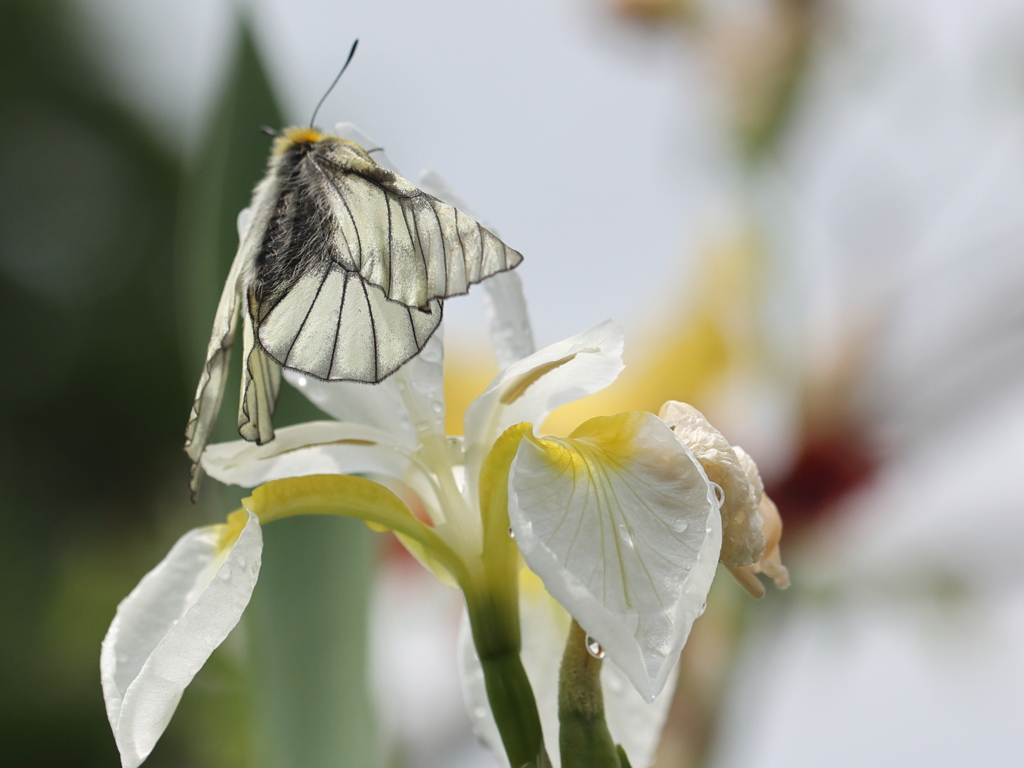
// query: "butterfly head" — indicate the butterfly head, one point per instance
point(289, 137)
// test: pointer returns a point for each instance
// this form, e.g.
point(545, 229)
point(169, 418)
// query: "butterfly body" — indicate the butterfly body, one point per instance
point(340, 275)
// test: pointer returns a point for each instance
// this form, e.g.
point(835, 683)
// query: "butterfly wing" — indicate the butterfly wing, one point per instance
point(413, 246)
point(335, 326)
point(261, 382)
point(214, 375)
point(310, 311)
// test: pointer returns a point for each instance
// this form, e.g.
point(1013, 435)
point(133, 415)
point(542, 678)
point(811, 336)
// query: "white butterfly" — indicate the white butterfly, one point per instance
point(341, 276)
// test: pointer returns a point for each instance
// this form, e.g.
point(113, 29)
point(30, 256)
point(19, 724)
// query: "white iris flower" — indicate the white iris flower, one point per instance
point(619, 520)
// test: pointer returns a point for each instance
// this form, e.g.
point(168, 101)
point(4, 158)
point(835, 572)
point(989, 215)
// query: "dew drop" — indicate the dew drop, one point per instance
point(680, 525)
point(479, 712)
point(594, 648)
point(240, 559)
point(122, 658)
point(511, 533)
point(614, 684)
point(703, 607)
point(625, 534)
point(225, 572)
point(436, 407)
point(173, 623)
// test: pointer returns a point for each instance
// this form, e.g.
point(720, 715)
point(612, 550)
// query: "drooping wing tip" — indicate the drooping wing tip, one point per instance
point(195, 477)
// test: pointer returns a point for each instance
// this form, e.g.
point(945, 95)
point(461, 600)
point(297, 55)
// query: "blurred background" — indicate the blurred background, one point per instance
point(806, 214)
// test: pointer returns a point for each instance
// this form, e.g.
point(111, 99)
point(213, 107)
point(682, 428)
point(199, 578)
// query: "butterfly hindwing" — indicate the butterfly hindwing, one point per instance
point(335, 326)
point(261, 382)
point(213, 378)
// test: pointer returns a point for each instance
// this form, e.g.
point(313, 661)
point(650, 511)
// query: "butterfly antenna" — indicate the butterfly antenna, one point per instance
point(323, 98)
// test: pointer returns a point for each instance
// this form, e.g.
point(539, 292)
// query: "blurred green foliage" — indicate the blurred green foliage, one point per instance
point(107, 322)
point(91, 400)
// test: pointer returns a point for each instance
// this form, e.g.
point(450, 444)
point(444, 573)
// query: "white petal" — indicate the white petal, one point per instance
point(507, 319)
point(385, 406)
point(742, 538)
point(621, 523)
point(314, 448)
point(535, 386)
point(633, 722)
point(166, 629)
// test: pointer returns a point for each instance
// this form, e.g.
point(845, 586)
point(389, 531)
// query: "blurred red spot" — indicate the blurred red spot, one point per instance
point(828, 467)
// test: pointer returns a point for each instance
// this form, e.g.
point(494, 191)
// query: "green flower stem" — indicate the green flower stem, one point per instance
point(508, 689)
point(583, 737)
point(494, 614)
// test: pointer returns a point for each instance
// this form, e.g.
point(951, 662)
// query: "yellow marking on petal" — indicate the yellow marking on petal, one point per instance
point(614, 436)
point(230, 531)
point(518, 386)
point(500, 554)
point(351, 496)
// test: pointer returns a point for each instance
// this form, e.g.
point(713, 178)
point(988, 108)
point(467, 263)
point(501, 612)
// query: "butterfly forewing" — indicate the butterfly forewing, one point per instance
point(410, 244)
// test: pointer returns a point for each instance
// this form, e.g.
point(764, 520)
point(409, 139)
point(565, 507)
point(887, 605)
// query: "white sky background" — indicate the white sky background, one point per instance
point(584, 147)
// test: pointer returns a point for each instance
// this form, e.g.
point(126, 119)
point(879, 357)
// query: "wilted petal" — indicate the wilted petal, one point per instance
point(770, 562)
point(315, 448)
point(166, 629)
point(742, 540)
point(621, 523)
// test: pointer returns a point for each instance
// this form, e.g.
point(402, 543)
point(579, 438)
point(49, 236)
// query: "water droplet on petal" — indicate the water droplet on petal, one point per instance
point(703, 607)
point(625, 534)
point(680, 525)
point(511, 533)
point(614, 683)
point(240, 559)
point(479, 712)
point(174, 622)
point(225, 572)
point(436, 407)
point(594, 648)
point(122, 658)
